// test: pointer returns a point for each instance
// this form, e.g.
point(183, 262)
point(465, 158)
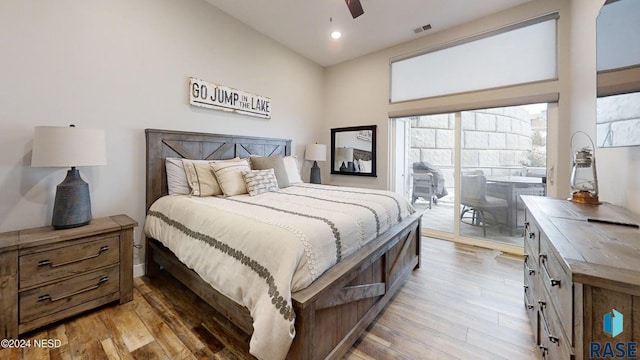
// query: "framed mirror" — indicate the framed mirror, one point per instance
point(618, 66)
point(353, 150)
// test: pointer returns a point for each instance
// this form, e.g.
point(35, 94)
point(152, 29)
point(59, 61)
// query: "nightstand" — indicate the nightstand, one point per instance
point(47, 275)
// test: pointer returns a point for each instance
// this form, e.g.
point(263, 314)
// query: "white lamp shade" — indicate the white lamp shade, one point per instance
point(344, 154)
point(316, 152)
point(55, 146)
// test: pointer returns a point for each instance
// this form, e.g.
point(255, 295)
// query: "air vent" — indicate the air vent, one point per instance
point(422, 28)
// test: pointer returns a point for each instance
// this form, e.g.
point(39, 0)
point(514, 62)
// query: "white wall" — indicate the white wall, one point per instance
point(358, 90)
point(124, 66)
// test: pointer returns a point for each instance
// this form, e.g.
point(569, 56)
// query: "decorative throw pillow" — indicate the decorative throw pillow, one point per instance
point(292, 169)
point(200, 177)
point(271, 162)
point(229, 175)
point(177, 183)
point(260, 181)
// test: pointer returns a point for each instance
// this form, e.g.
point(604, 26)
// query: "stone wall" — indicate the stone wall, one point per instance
point(618, 120)
point(497, 141)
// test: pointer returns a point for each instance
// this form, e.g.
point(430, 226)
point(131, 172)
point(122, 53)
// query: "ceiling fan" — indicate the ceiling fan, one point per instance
point(355, 7)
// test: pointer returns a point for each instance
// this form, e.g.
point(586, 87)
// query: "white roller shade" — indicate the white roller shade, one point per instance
point(522, 55)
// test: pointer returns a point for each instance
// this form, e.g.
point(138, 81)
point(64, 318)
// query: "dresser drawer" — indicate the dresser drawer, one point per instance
point(531, 267)
point(531, 233)
point(50, 265)
point(557, 283)
point(531, 306)
point(554, 343)
point(42, 301)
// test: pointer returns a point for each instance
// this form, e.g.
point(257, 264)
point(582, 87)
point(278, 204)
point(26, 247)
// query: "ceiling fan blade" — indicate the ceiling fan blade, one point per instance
point(355, 7)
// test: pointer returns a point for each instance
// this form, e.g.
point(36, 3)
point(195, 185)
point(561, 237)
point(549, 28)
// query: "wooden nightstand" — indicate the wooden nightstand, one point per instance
point(47, 275)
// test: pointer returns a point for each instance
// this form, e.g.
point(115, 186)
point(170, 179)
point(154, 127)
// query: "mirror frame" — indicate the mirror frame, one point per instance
point(373, 149)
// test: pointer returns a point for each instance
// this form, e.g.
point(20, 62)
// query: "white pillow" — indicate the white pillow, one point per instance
point(229, 175)
point(200, 178)
point(177, 183)
point(260, 181)
point(293, 171)
point(365, 166)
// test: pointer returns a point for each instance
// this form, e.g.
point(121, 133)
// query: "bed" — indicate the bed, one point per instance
point(331, 312)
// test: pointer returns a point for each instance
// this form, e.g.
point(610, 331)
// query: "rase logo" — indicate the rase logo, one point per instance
point(612, 325)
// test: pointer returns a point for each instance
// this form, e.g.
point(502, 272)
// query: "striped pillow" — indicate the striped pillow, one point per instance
point(260, 181)
point(229, 175)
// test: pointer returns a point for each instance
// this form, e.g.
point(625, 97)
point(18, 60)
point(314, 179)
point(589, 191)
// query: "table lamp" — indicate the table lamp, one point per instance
point(69, 147)
point(315, 152)
point(344, 155)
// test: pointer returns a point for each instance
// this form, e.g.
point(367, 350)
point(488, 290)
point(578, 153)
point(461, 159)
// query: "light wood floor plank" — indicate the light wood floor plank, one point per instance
point(463, 303)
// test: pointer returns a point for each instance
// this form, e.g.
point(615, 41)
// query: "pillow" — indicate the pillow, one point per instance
point(260, 181)
point(291, 167)
point(229, 175)
point(176, 177)
point(365, 166)
point(200, 178)
point(271, 162)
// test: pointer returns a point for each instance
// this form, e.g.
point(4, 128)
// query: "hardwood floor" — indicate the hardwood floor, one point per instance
point(463, 303)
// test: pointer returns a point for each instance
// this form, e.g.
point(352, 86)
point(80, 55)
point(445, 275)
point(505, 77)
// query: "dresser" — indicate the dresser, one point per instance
point(581, 278)
point(47, 275)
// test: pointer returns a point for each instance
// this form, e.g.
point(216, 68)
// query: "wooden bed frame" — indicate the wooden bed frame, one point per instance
point(334, 310)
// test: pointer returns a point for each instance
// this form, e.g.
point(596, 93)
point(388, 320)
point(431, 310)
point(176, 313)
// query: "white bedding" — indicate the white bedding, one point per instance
point(258, 250)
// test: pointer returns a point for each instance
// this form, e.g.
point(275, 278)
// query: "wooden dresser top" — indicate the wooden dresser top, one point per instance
point(592, 252)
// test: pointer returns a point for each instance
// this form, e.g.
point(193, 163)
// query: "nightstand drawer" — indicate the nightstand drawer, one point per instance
point(68, 293)
point(51, 265)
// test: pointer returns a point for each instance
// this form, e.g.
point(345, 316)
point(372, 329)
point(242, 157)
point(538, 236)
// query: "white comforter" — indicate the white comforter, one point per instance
point(258, 250)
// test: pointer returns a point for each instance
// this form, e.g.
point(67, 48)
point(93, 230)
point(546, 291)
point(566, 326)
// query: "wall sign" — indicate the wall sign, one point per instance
point(218, 97)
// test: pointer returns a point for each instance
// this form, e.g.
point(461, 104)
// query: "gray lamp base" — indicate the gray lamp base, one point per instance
point(315, 174)
point(72, 207)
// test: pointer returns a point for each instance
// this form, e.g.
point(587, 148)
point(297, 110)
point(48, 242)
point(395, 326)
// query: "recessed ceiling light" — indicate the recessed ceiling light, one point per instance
point(336, 34)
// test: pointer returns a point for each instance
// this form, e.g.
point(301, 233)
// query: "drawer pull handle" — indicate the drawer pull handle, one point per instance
point(545, 325)
point(531, 234)
point(46, 297)
point(526, 266)
point(543, 351)
point(552, 281)
point(526, 299)
point(48, 262)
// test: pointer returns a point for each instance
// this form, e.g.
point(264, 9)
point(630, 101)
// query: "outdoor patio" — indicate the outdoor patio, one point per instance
point(441, 218)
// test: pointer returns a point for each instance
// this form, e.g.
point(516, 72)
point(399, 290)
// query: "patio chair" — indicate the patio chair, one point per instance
point(474, 198)
point(423, 186)
point(428, 183)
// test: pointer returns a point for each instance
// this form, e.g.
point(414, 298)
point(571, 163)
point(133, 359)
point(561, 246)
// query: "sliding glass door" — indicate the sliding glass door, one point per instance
point(468, 169)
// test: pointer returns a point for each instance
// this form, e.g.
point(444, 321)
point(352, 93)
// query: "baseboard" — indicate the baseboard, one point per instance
point(138, 270)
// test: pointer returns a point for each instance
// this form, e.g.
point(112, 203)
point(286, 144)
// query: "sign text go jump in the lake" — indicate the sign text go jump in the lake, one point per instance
point(213, 96)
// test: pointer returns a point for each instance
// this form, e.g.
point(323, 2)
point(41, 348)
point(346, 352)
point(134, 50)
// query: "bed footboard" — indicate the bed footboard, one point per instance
point(336, 308)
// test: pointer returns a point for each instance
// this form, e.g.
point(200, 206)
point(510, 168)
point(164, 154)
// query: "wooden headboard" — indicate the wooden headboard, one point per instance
point(361, 154)
point(200, 146)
